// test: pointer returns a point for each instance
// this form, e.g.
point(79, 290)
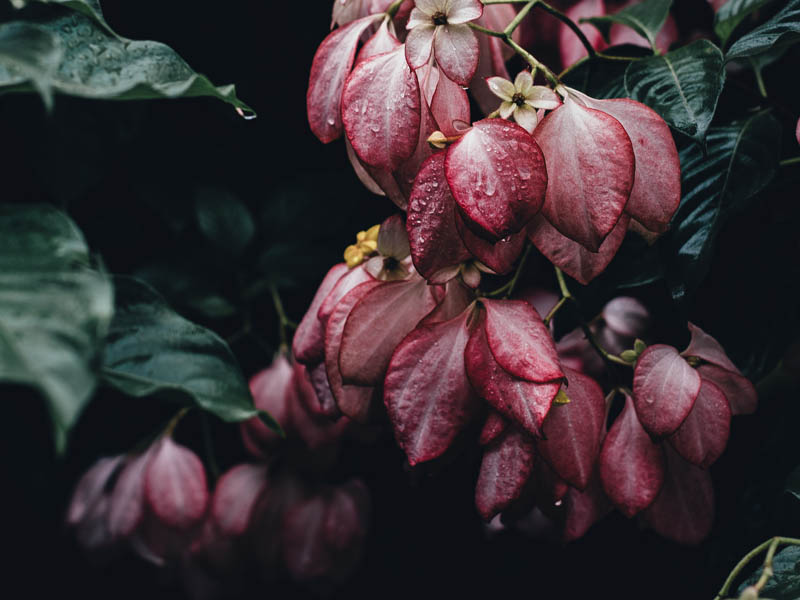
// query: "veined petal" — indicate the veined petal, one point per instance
point(703, 435)
point(419, 44)
point(540, 96)
point(461, 11)
point(429, 7)
point(507, 109)
point(502, 88)
point(526, 117)
point(456, 49)
point(706, 347)
point(523, 82)
point(449, 105)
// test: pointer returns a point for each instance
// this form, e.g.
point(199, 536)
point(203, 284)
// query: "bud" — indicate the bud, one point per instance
point(437, 140)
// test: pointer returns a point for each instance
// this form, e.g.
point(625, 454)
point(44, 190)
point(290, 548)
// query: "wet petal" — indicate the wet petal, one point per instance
point(456, 50)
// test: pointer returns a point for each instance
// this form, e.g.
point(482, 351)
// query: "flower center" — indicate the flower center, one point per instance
point(439, 18)
point(518, 99)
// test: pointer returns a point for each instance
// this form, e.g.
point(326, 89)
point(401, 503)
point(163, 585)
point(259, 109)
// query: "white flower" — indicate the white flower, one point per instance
point(521, 99)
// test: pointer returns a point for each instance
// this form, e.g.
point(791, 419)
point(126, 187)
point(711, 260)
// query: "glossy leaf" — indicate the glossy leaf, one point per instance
point(584, 508)
point(381, 110)
point(497, 175)
point(646, 18)
point(426, 391)
point(498, 256)
point(684, 509)
point(573, 431)
point(520, 342)
point(431, 223)
point(780, 31)
point(665, 388)
point(784, 583)
point(449, 106)
point(590, 161)
point(98, 64)
point(329, 70)
point(54, 311)
point(224, 220)
point(739, 391)
point(682, 86)
point(151, 350)
point(90, 8)
point(742, 159)
point(506, 466)
point(377, 324)
point(731, 14)
point(631, 464)
point(656, 189)
point(525, 402)
point(572, 258)
point(703, 435)
point(495, 425)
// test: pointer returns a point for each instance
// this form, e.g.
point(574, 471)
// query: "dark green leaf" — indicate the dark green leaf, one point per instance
point(742, 159)
point(602, 78)
point(98, 64)
point(731, 14)
point(224, 220)
point(90, 8)
point(54, 311)
point(153, 350)
point(683, 86)
point(785, 581)
point(646, 18)
point(793, 483)
point(780, 31)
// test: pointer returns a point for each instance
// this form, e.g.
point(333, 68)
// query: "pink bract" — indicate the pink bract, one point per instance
point(703, 435)
point(506, 466)
point(235, 497)
point(307, 345)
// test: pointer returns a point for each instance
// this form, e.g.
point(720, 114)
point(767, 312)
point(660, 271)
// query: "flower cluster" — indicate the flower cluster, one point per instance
point(263, 519)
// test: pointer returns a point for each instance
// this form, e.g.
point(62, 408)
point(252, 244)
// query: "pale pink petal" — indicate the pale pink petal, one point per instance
point(430, 7)
point(332, 62)
point(523, 82)
point(703, 435)
point(520, 342)
point(507, 109)
point(626, 316)
point(631, 465)
point(426, 390)
point(347, 282)
point(526, 117)
point(361, 171)
point(571, 47)
point(462, 11)
point(307, 344)
point(381, 110)
point(381, 42)
point(456, 50)
point(498, 177)
point(706, 347)
point(419, 44)
point(571, 257)
point(456, 299)
point(590, 161)
point(90, 488)
point(665, 388)
point(377, 324)
point(127, 508)
point(175, 485)
point(573, 431)
point(449, 105)
point(540, 96)
point(502, 87)
point(506, 466)
point(235, 496)
point(269, 388)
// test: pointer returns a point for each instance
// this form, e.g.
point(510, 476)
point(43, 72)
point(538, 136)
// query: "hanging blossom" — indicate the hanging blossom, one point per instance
point(521, 99)
point(439, 27)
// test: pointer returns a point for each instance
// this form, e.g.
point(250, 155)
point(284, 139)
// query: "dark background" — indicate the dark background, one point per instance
point(129, 173)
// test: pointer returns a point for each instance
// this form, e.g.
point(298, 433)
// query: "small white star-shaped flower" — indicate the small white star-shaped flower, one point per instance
point(521, 99)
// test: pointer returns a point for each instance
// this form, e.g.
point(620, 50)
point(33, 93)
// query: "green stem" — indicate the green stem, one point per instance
point(790, 161)
point(533, 61)
point(555, 309)
point(484, 30)
point(173, 423)
point(283, 320)
point(771, 545)
point(571, 24)
point(490, 2)
point(508, 288)
point(519, 18)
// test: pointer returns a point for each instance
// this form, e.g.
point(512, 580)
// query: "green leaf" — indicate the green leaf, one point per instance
point(780, 31)
point(683, 86)
point(54, 311)
point(645, 18)
point(785, 581)
point(224, 220)
point(98, 64)
point(742, 159)
point(602, 78)
point(151, 350)
point(32, 53)
point(793, 483)
point(731, 14)
point(90, 8)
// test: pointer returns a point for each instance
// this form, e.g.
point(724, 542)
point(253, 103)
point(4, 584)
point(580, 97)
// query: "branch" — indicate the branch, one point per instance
point(771, 545)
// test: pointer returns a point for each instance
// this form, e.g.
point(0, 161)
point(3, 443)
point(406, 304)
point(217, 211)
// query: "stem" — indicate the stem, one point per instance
point(790, 161)
point(571, 24)
point(555, 309)
point(520, 16)
point(173, 423)
point(760, 81)
point(771, 545)
point(508, 288)
point(283, 320)
point(533, 61)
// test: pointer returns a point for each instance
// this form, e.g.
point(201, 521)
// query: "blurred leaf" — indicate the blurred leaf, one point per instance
point(780, 31)
point(742, 159)
point(99, 64)
point(32, 53)
point(151, 350)
point(54, 311)
point(682, 86)
point(602, 78)
point(90, 8)
point(785, 581)
point(793, 483)
point(645, 18)
point(224, 220)
point(731, 14)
